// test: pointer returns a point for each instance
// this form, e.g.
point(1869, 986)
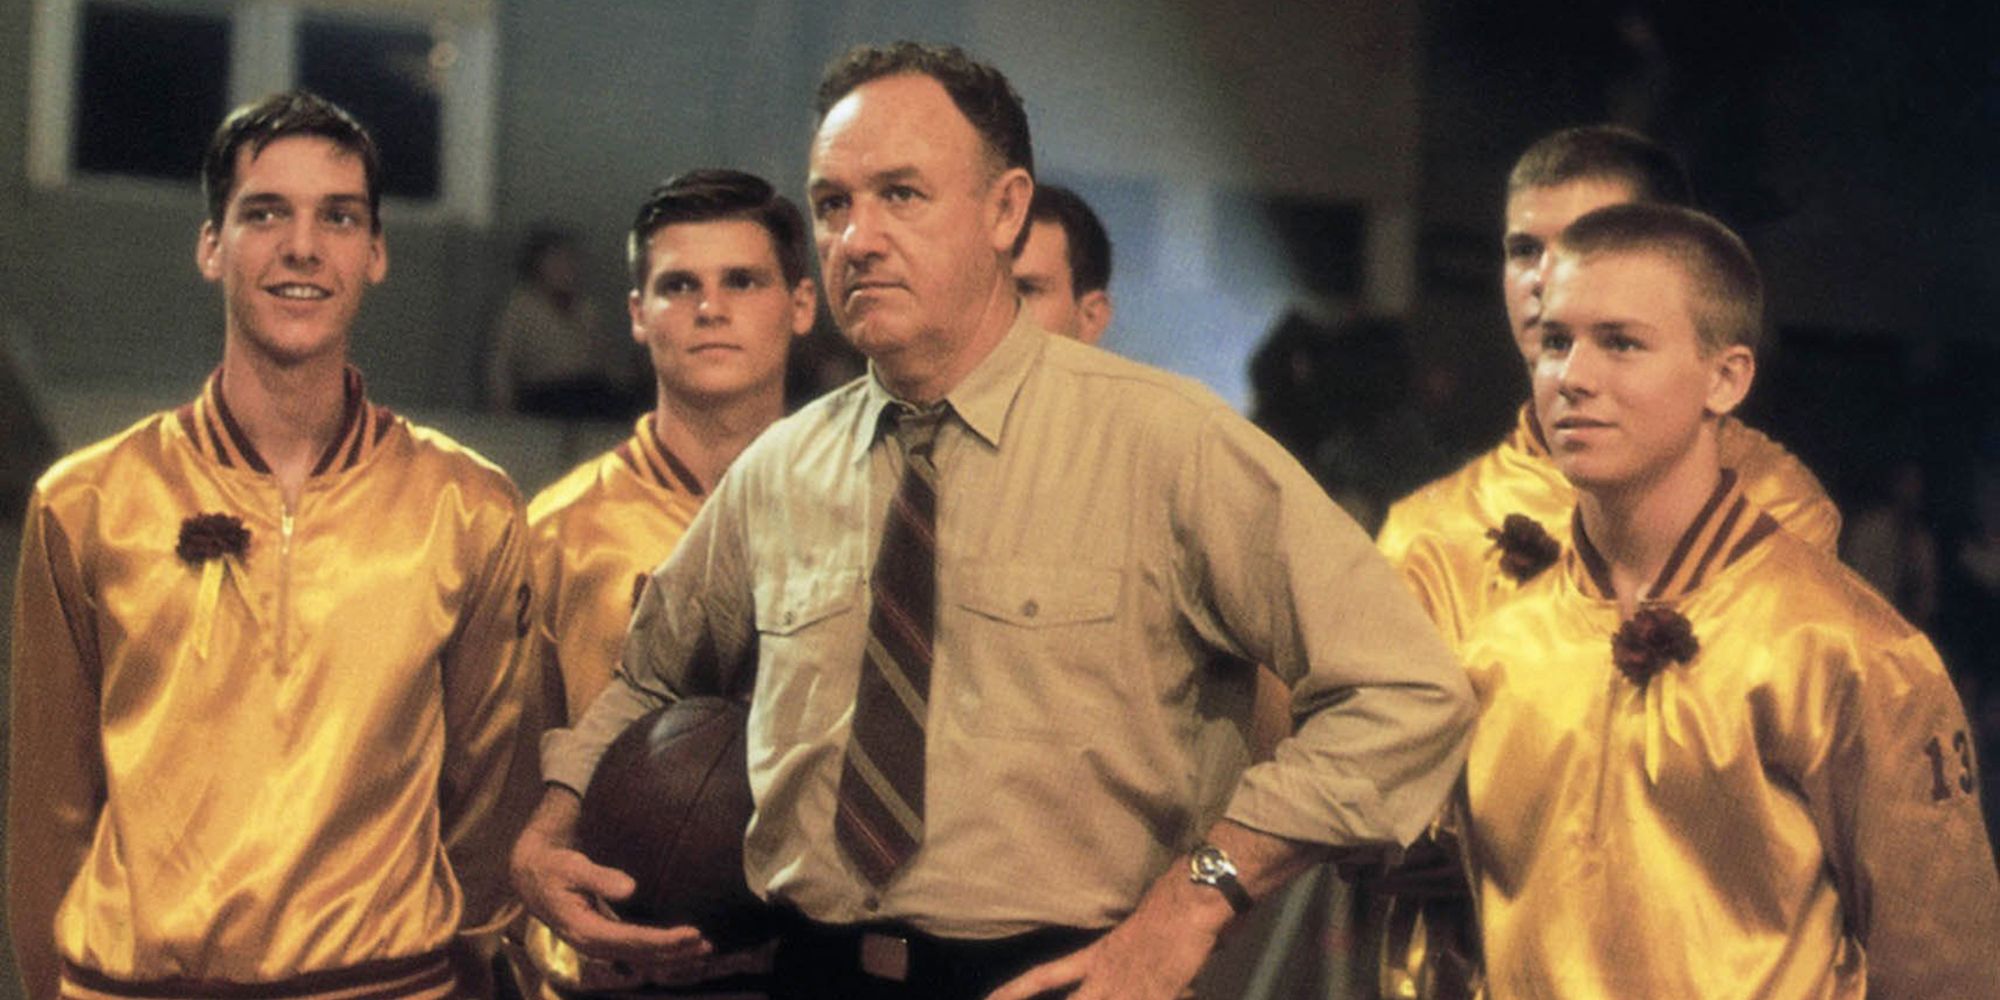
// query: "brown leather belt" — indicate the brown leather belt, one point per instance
point(419, 977)
point(893, 960)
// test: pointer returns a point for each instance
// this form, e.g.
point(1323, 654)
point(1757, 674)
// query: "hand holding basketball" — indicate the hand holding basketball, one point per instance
point(669, 804)
point(566, 889)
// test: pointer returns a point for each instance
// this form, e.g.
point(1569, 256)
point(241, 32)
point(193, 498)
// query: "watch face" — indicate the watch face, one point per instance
point(1211, 863)
point(1207, 865)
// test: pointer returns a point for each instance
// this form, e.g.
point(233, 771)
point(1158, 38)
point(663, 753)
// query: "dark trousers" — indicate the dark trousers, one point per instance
point(893, 962)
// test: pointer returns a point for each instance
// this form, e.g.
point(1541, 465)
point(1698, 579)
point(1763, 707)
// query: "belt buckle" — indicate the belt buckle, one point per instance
point(885, 956)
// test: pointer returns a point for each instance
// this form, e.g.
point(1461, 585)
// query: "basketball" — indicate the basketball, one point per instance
point(668, 806)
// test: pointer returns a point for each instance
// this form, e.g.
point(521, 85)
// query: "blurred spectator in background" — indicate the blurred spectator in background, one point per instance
point(1969, 621)
point(1891, 545)
point(546, 357)
point(821, 360)
point(1977, 559)
point(26, 446)
point(1063, 272)
point(1289, 399)
point(1339, 397)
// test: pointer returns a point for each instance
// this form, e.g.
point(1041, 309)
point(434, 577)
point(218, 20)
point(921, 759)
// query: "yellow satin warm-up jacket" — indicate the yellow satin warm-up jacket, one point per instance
point(1791, 812)
point(290, 761)
point(1458, 579)
point(597, 534)
point(1457, 574)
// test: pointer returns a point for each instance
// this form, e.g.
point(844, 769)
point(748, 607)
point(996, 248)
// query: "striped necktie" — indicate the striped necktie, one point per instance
point(880, 816)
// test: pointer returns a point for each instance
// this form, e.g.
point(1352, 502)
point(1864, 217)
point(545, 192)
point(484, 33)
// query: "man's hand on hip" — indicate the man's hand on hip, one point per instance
point(1157, 951)
point(1153, 955)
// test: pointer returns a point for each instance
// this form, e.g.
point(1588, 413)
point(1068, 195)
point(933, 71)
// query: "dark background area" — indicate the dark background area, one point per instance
point(1853, 144)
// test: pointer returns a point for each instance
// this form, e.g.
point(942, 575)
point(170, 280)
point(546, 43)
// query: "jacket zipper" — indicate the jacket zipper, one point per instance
point(284, 587)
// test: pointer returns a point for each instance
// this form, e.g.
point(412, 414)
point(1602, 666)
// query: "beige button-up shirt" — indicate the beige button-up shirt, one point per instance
point(1117, 548)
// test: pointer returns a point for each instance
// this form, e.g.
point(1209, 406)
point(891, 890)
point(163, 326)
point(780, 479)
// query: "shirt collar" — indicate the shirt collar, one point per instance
point(650, 459)
point(981, 400)
point(216, 434)
point(1726, 530)
point(1528, 432)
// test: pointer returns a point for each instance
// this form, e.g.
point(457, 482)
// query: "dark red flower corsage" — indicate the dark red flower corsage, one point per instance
point(212, 536)
point(1652, 637)
point(1526, 548)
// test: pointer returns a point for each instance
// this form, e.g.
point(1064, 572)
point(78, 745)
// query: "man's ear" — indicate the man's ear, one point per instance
point(1093, 315)
point(1731, 370)
point(805, 306)
point(378, 259)
point(207, 252)
point(634, 303)
point(1012, 192)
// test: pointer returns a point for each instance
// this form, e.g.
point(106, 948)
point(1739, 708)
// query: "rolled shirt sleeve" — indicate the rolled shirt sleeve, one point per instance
point(1116, 550)
point(692, 622)
point(1382, 708)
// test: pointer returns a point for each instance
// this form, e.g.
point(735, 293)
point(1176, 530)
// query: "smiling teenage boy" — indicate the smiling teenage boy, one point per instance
point(1561, 177)
point(1710, 761)
point(266, 706)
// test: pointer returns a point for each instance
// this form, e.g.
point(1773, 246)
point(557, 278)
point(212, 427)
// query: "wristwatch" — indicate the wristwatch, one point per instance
point(1208, 866)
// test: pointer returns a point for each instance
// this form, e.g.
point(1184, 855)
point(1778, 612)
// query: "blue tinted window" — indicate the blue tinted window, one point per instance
point(383, 76)
point(152, 85)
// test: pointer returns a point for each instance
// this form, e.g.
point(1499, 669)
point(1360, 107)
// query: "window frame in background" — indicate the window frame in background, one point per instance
point(265, 37)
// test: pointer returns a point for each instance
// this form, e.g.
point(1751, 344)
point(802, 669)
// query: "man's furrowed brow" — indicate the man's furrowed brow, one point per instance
point(894, 175)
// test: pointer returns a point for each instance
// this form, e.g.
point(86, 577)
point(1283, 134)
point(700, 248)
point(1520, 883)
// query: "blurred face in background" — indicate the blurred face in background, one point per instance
point(1045, 281)
point(1535, 216)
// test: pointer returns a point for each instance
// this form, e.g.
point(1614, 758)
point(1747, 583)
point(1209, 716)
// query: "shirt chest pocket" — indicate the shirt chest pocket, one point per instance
point(809, 646)
point(1034, 651)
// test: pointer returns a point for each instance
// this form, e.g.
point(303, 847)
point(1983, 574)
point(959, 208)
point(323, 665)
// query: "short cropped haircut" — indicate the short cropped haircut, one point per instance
point(278, 116)
point(1727, 292)
point(714, 195)
point(1603, 153)
point(980, 91)
point(1089, 246)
